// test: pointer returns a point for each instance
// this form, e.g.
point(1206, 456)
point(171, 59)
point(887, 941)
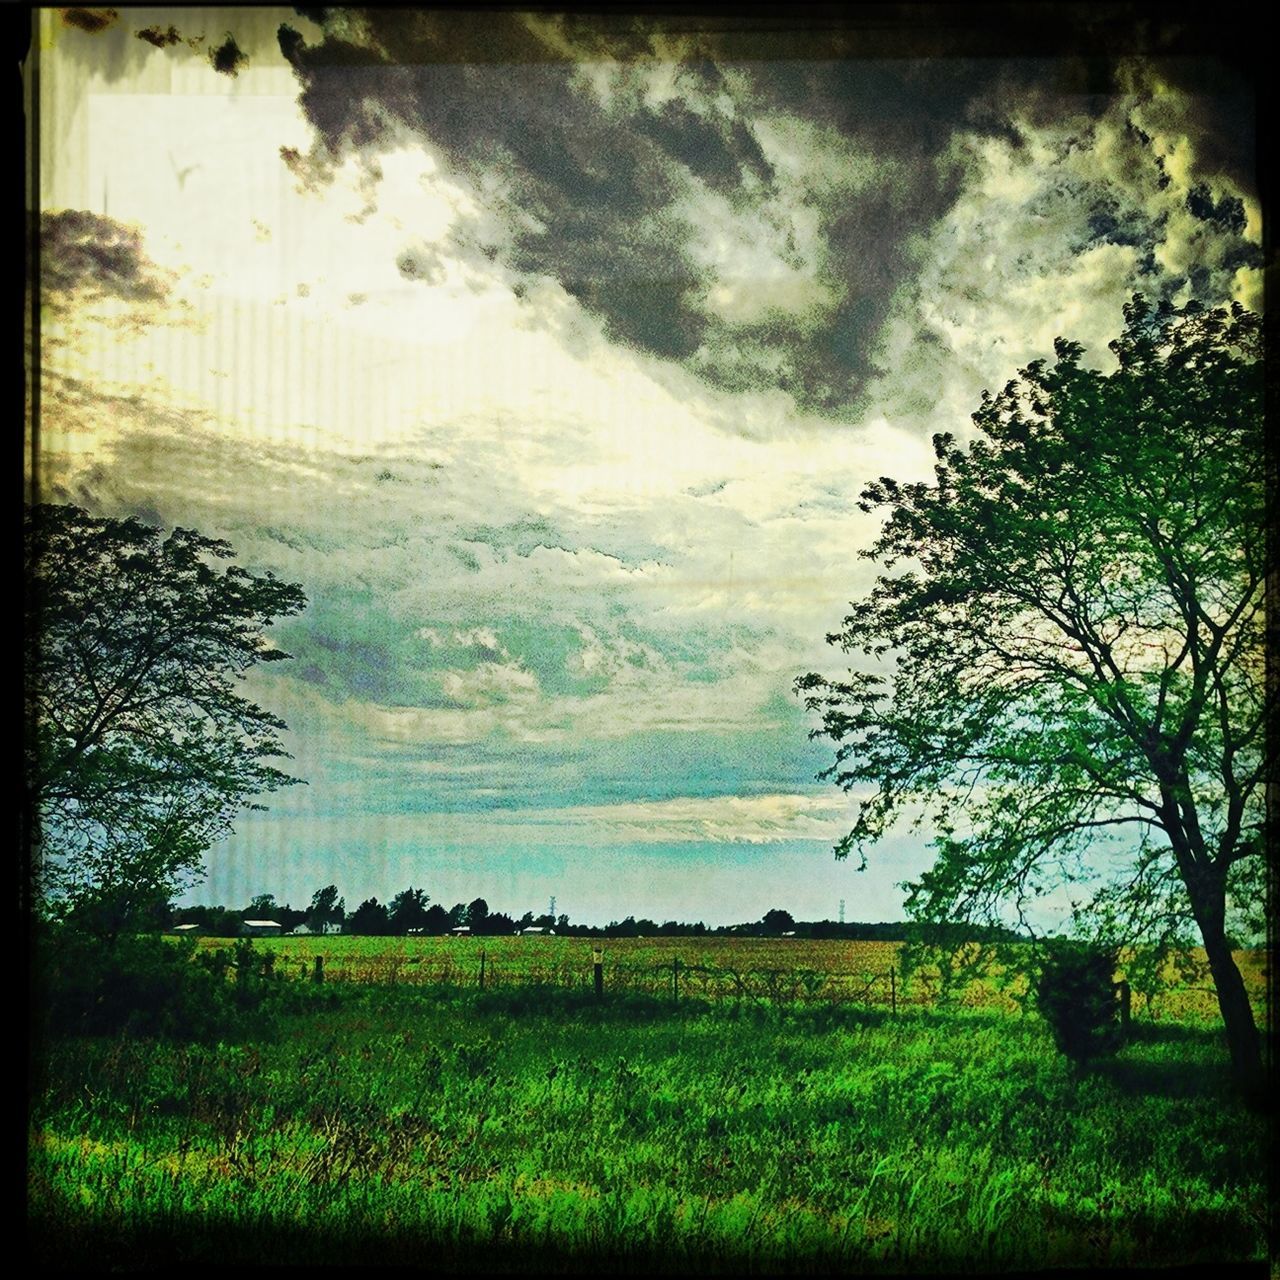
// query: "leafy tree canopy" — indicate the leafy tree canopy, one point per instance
point(436, 919)
point(408, 910)
point(326, 909)
point(1061, 671)
point(140, 748)
point(777, 921)
point(369, 919)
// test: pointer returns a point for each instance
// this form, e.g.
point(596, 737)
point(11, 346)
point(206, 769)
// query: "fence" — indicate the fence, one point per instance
point(674, 979)
point(677, 979)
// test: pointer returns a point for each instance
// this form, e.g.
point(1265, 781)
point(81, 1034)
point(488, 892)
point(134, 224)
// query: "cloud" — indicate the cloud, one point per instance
point(750, 205)
point(228, 57)
point(159, 36)
point(90, 20)
point(1059, 223)
point(759, 819)
point(731, 219)
point(93, 255)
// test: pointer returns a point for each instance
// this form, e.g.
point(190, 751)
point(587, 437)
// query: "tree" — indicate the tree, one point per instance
point(478, 916)
point(261, 907)
point(408, 910)
point(1074, 993)
point(139, 748)
point(777, 921)
point(498, 923)
point(369, 919)
point(1066, 673)
point(326, 909)
point(436, 920)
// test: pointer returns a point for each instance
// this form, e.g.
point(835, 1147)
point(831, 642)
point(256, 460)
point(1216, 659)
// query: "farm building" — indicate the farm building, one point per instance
point(261, 929)
point(185, 930)
point(461, 930)
point(537, 928)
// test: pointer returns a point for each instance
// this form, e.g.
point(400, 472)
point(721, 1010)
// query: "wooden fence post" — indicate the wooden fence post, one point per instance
point(893, 990)
point(317, 972)
point(481, 968)
point(597, 964)
point(675, 978)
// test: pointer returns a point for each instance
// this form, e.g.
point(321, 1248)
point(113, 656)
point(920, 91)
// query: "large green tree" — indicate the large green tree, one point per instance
point(1062, 671)
point(408, 910)
point(327, 909)
point(140, 745)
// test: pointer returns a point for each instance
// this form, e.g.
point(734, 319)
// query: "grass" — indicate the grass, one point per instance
point(530, 1128)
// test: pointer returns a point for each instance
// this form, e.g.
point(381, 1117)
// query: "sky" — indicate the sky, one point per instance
point(551, 354)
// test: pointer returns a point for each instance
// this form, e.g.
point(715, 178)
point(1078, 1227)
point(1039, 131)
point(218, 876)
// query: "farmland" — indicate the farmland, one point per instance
point(787, 970)
point(399, 1112)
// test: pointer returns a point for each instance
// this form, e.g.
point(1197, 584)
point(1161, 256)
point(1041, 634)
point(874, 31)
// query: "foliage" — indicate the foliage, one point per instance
point(1075, 995)
point(436, 919)
point(369, 919)
point(216, 922)
point(139, 750)
point(1063, 670)
point(150, 986)
point(326, 909)
point(407, 910)
point(261, 905)
point(777, 921)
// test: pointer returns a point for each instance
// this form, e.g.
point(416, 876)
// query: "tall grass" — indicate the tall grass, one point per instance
point(522, 1129)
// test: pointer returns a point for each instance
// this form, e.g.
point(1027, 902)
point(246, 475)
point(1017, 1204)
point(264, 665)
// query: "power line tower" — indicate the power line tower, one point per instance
point(842, 911)
point(551, 910)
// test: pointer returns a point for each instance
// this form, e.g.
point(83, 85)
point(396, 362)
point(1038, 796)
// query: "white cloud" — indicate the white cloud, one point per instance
point(760, 819)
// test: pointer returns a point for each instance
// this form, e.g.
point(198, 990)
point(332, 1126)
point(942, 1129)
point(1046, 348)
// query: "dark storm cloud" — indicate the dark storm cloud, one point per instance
point(91, 253)
point(160, 37)
point(90, 20)
point(228, 57)
point(607, 181)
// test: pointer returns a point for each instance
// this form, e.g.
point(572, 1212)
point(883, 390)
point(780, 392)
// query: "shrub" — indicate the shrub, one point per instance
point(145, 985)
point(1074, 994)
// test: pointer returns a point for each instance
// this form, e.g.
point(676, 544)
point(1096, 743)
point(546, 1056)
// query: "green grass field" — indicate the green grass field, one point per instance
point(528, 1128)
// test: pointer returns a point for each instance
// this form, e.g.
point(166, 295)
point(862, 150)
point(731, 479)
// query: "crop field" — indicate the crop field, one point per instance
point(761, 970)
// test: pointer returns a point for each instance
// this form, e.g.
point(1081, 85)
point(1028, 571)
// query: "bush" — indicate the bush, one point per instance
point(1075, 995)
point(144, 985)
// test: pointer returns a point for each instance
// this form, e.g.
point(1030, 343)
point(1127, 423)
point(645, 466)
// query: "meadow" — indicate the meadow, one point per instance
point(528, 1127)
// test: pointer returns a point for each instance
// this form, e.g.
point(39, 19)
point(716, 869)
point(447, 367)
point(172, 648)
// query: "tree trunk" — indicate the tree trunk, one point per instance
point(1208, 903)
point(1237, 1018)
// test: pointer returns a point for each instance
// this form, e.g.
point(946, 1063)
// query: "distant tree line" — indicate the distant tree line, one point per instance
point(412, 912)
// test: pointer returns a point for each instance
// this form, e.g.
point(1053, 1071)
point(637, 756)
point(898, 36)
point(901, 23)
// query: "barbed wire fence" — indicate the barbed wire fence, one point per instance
point(677, 979)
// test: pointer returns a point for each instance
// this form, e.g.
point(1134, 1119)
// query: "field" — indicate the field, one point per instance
point(527, 1127)
point(772, 970)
